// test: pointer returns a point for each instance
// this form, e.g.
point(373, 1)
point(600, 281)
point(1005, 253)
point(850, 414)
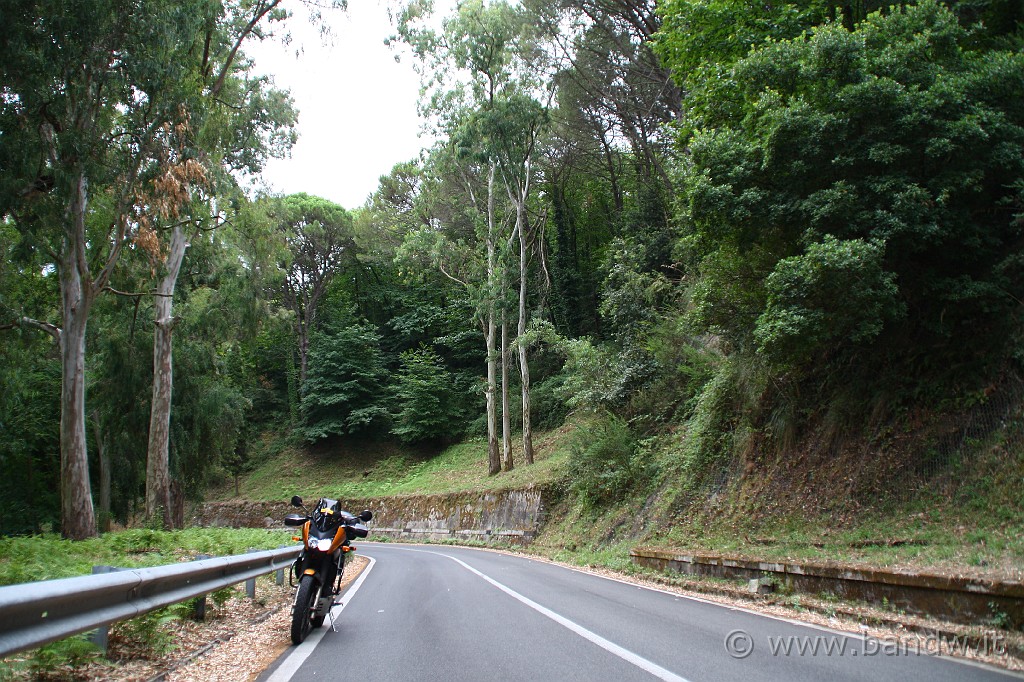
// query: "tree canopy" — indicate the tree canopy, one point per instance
point(714, 218)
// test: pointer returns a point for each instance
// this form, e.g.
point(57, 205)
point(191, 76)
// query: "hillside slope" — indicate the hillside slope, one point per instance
point(361, 468)
point(824, 498)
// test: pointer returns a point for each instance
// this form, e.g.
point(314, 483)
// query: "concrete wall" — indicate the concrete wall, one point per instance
point(511, 515)
point(960, 599)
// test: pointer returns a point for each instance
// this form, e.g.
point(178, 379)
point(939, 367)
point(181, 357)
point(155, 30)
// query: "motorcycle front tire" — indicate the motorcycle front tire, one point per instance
point(318, 619)
point(303, 613)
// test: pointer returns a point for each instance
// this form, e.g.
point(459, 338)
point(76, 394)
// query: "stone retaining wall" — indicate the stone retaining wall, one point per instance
point(512, 515)
point(959, 599)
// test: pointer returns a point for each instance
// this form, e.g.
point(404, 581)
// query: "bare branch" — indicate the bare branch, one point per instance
point(51, 329)
point(129, 294)
point(261, 11)
point(451, 277)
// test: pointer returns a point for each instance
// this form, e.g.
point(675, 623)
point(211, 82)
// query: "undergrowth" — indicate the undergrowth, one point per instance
point(31, 558)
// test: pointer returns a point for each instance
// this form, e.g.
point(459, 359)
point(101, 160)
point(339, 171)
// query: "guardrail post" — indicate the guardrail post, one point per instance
point(250, 584)
point(280, 572)
point(199, 609)
point(101, 635)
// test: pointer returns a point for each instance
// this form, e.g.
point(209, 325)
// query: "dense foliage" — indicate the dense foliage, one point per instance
point(708, 223)
point(859, 200)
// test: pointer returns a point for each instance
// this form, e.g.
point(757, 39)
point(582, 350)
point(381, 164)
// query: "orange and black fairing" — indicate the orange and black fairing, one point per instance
point(340, 536)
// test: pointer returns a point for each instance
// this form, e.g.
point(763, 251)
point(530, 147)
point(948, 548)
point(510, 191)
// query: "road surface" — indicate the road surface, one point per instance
point(429, 612)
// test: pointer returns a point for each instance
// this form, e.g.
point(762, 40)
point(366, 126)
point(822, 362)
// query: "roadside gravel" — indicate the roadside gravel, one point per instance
point(257, 643)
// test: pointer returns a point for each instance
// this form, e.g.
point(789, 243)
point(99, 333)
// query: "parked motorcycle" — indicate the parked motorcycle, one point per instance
point(326, 536)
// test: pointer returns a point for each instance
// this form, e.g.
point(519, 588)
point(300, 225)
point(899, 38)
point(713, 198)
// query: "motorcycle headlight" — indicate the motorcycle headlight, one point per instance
point(324, 545)
point(312, 543)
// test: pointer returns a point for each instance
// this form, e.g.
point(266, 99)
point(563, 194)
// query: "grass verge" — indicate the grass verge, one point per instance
point(46, 557)
point(360, 469)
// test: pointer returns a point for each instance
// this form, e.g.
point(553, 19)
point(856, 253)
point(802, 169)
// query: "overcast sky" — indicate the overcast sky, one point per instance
point(357, 106)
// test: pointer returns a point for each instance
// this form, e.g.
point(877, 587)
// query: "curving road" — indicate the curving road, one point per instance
point(432, 612)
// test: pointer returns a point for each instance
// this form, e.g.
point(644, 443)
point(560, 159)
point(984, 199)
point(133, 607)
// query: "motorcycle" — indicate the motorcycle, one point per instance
point(326, 536)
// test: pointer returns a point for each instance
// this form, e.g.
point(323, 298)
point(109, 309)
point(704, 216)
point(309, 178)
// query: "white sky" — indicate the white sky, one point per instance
point(357, 106)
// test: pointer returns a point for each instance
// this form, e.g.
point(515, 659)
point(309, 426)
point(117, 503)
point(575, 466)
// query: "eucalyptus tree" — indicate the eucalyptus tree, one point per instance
point(465, 185)
point(91, 91)
point(236, 121)
point(513, 125)
point(88, 89)
point(482, 74)
point(462, 68)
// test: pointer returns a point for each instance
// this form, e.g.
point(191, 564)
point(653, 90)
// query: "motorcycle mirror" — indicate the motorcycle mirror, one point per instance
point(296, 501)
point(365, 515)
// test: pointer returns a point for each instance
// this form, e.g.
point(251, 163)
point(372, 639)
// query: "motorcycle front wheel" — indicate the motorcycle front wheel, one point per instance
point(304, 610)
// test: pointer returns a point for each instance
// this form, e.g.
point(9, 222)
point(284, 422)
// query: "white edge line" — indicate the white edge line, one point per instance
point(610, 647)
point(961, 660)
point(298, 656)
point(970, 662)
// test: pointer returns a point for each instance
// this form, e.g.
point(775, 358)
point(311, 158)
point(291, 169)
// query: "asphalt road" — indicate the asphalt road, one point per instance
point(456, 614)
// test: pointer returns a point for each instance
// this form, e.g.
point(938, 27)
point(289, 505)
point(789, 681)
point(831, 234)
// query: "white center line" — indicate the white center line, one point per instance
point(610, 647)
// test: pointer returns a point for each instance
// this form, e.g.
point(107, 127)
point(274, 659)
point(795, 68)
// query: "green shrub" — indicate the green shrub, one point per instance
point(72, 652)
point(427, 407)
point(836, 291)
point(343, 389)
point(603, 463)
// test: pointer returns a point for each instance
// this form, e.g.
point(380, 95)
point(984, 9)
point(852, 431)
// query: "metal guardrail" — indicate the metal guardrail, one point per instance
point(33, 614)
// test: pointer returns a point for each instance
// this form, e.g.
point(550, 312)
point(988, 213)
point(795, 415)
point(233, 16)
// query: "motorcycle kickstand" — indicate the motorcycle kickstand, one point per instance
point(330, 614)
point(335, 601)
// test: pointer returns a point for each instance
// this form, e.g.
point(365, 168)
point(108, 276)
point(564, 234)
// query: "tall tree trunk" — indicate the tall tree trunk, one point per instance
point(77, 517)
point(303, 330)
point(158, 477)
point(294, 388)
point(493, 456)
point(493, 460)
point(506, 418)
point(103, 455)
point(524, 364)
